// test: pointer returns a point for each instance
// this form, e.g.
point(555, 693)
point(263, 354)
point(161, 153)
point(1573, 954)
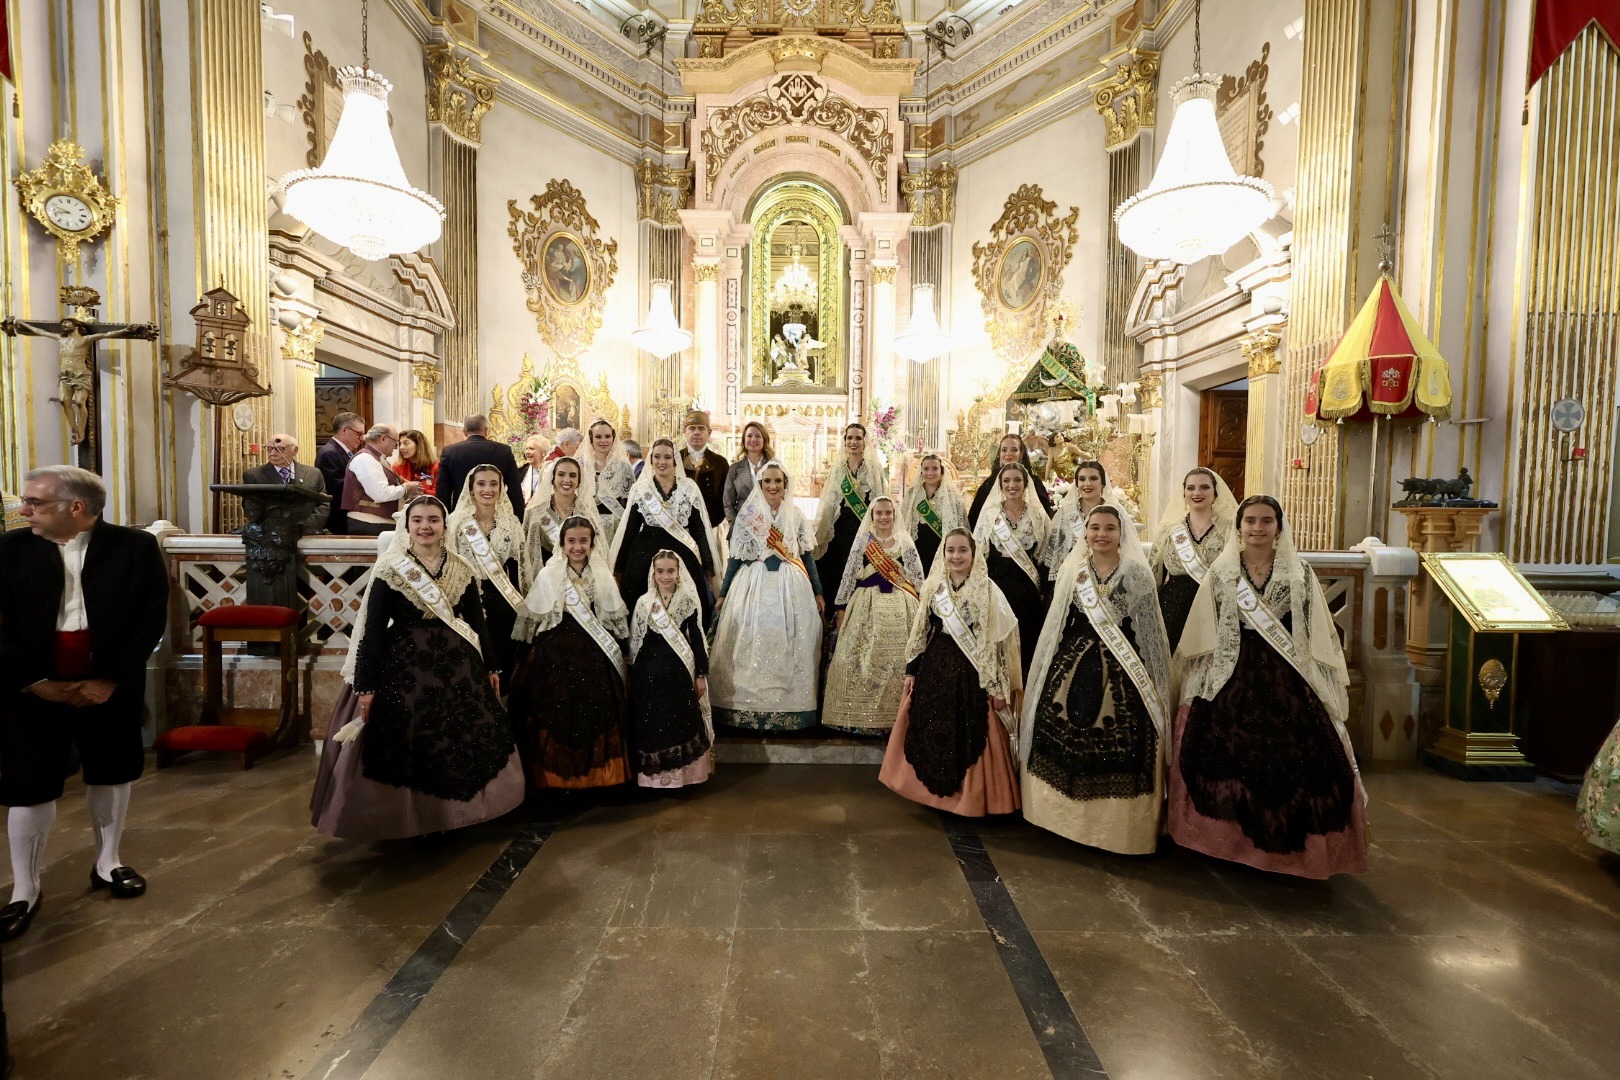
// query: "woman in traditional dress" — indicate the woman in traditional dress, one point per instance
point(568, 697)
point(1090, 490)
point(421, 743)
point(1261, 771)
point(559, 497)
point(1011, 450)
point(665, 513)
point(767, 643)
point(874, 607)
point(1011, 532)
point(671, 731)
point(1096, 713)
point(1190, 538)
point(951, 747)
point(744, 474)
point(489, 537)
point(854, 479)
point(1598, 805)
point(932, 506)
point(611, 475)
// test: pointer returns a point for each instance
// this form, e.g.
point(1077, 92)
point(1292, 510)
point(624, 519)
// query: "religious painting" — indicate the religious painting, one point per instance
point(1020, 277)
point(566, 276)
point(565, 408)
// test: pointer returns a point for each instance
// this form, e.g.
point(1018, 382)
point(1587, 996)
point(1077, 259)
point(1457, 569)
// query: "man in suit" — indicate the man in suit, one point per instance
point(83, 604)
point(477, 448)
point(348, 433)
point(706, 468)
point(282, 450)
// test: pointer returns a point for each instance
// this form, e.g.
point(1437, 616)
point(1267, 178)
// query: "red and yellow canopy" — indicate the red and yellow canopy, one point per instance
point(1383, 366)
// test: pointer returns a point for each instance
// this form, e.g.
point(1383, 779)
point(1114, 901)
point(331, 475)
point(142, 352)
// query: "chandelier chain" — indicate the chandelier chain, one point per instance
point(365, 35)
point(1198, 37)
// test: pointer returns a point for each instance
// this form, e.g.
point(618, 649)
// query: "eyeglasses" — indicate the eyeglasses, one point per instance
point(272, 448)
point(35, 504)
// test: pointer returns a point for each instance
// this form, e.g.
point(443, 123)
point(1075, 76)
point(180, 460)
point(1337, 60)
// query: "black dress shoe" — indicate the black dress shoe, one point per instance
point(15, 917)
point(125, 884)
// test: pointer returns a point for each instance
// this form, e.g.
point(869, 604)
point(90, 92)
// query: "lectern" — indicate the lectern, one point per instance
point(275, 515)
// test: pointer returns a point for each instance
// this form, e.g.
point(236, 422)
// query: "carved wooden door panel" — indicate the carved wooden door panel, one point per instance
point(340, 393)
point(1223, 435)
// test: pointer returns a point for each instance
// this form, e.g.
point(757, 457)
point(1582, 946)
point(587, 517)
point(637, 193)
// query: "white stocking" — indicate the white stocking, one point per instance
point(28, 827)
point(108, 804)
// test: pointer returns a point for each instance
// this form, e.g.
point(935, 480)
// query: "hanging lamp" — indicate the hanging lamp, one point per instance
point(660, 332)
point(359, 197)
point(922, 339)
point(1197, 204)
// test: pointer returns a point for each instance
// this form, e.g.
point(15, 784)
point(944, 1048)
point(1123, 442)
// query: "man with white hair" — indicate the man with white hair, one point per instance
point(372, 492)
point(568, 442)
point(284, 468)
point(83, 604)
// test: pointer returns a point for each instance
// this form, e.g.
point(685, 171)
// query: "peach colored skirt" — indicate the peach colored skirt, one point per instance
point(991, 783)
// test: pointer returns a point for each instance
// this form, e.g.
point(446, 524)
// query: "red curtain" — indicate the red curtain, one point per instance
point(1557, 23)
point(5, 45)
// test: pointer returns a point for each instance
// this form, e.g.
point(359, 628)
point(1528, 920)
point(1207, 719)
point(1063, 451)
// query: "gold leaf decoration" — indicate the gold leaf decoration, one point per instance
point(566, 268)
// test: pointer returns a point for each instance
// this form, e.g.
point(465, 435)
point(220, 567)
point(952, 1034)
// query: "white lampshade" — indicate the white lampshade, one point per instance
point(661, 334)
point(359, 197)
point(922, 339)
point(1197, 204)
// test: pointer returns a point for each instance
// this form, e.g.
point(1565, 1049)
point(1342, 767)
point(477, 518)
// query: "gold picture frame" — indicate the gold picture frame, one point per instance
point(1490, 592)
point(1019, 271)
point(566, 295)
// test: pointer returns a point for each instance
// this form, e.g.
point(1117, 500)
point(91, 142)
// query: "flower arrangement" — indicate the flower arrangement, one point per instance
point(885, 432)
point(533, 411)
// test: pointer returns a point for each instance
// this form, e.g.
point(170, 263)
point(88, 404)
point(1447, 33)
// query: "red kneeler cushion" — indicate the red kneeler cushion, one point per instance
point(213, 738)
point(248, 617)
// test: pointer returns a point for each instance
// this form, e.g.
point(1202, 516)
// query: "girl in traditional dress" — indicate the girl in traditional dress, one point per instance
point(1090, 491)
point(1598, 805)
point(744, 474)
point(1096, 714)
point(489, 537)
point(767, 643)
point(874, 607)
point(421, 743)
point(1011, 532)
point(568, 691)
point(666, 513)
point(951, 744)
point(671, 729)
point(854, 479)
point(558, 498)
point(1011, 450)
point(611, 475)
point(1261, 770)
point(1190, 538)
point(932, 506)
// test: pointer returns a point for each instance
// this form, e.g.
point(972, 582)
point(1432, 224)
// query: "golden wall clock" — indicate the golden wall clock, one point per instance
point(67, 198)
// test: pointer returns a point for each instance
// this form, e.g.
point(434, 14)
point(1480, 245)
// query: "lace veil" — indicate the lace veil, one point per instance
point(751, 531)
point(390, 545)
point(544, 606)
point(987, 612)
point(616, 470)
point(1033, 510)
point(540, 521)
point(948, 501)
point(684, 604)
point(687, 496)
point(832, 489)
point(904, 551)
point(506, 536)
point(1175, 513)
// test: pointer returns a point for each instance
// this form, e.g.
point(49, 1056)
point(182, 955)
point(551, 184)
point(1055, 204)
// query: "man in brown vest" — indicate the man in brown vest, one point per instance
point(372, 492)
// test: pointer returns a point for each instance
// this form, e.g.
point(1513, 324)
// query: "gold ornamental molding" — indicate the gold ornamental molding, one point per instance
point(567, 268)
point(705, 271)
point(299, 343)
point(1150, 390)
point(1260, 350)
point(661, 192)
point(884, 275)
point(875, 23)
point(1244, 113)
point(426, 377)
point(321, 103)
point(930, 195)
point(1128, 101)
point(1020, 271)
point(574, 401)
point(457, 96)
point(67, 198)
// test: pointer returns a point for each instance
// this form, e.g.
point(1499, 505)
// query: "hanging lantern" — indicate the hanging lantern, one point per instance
point(922, 340)
point(661, 333)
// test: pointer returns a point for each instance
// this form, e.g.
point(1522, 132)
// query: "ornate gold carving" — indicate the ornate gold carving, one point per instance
point(799, 47)
point(715, 13)
point(575, 402)
point(970, 445)
point(1493, 679)
point(1150, 390)
point(705, 271)
point(1248, 129)
point(930, 195)
point(1260, 350)
point(799, 202)
point(1020, 271)
point(794, 98)
point(661, 192)
point(299, 343)
point(1128, 101)
point(457, 96)
point(883, 13)
point(426, 377)
point(321, 102)
point(80, 208)
point(884, 275)
point(567, 268)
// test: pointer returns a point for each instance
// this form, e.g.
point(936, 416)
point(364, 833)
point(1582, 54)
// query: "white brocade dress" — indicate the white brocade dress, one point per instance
point(767, 648)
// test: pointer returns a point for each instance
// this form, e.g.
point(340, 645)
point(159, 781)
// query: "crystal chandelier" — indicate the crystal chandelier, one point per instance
point(922, 340)
point(1197, 204)
point(795, 288)
point(661, 334)
point(359, 197)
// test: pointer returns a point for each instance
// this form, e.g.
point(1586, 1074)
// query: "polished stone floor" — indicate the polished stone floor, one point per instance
point(800, 921)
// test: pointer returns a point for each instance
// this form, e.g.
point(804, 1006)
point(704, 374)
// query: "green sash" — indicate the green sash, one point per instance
point(930, 516)
point(852, 497)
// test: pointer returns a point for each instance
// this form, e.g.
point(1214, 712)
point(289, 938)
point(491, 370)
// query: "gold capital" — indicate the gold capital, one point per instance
point(1150, 390)
point(299, 343)
point(930, 195)
point(1260, 350)
point(457, 96)
point(884, 275)
point(705, 271)
point(1128, 100)
point(427, 378)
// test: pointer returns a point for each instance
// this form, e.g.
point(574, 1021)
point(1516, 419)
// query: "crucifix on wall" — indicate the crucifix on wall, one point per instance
point(76, 337)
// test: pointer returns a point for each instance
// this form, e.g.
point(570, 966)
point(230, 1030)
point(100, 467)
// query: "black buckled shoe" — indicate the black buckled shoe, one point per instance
point(15, 917)
point(126, 884)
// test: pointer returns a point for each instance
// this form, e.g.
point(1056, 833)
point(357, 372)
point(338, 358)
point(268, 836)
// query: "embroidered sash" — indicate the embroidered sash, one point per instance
point(474, 540)
point(659, 619)
point(779, 547)
point(1188, 552)
point(582, 613)
point(852, 497)
point(420, 582)
point(1006, 543)
point(962, 634)
point(653, 509)
point(1108, 629)
point(930, 516)
point(1264, 621)
point(889, 567)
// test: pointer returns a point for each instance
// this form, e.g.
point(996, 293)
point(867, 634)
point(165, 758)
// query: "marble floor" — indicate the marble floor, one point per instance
point(800, 921)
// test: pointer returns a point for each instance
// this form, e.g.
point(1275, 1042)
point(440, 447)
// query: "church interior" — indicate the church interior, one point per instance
point(1356, 255)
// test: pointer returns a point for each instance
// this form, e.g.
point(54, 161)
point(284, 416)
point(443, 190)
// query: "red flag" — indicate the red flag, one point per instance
point(1557, 23)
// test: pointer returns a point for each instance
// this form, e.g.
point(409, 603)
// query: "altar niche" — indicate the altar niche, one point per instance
point(797, 285)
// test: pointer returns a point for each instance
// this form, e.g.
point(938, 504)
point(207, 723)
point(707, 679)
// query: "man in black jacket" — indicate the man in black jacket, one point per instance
point(82, 606)
point(348, 432)
point(477, 448)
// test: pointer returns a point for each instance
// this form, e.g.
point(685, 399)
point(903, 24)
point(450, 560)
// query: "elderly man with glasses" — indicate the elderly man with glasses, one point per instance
point(372, 492)
point(283, 468)
point(348, 434)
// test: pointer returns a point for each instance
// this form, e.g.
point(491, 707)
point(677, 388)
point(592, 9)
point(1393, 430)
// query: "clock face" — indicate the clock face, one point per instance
point(69, 213)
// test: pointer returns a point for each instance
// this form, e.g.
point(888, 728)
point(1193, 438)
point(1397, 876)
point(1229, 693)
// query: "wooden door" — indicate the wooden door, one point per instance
point(1223, 435)
point(340, 393)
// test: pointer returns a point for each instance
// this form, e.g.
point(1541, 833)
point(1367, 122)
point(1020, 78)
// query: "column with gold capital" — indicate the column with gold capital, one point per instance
point(298, 349)
point(1127, 102)
point(706, 275)
point(424, 387)
point(883, 314)
point(1263, 465)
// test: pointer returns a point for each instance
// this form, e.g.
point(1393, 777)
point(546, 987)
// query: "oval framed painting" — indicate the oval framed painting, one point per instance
point(564, 269)
point(1021, 274)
